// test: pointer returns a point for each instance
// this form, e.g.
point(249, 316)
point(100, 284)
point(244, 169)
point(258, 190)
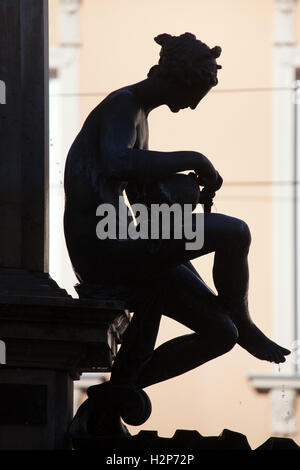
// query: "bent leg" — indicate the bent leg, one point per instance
point(230, 239)
point(187, 300)
point(231, 278)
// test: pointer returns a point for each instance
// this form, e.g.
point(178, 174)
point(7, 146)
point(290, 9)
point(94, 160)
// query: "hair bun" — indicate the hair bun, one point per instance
point(216, 51)
point(188, 36)
point(163, 39)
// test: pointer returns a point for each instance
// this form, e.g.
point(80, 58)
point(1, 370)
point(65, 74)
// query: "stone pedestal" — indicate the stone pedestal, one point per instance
point(36, 408)
point(50, 340)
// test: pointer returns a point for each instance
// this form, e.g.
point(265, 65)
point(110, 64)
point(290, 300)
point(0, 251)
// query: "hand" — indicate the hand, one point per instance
point(218, 183)
point(206, 196)
point(208, 193)
point(213, 187)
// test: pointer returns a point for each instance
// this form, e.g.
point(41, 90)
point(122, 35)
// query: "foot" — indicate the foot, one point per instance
point(93, 420)
point(256, 343)
point(131, 402)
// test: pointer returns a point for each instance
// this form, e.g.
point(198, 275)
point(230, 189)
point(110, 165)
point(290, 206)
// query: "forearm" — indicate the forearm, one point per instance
point(146, 164)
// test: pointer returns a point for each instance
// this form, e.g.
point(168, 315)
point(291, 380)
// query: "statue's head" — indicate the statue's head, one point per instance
point(188, 66)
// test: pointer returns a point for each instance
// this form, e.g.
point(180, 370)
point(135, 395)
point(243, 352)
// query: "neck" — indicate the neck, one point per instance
point(151, 94)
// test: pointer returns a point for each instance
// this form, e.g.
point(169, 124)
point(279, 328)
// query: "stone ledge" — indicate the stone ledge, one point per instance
point(64, 334)
point(265, 383)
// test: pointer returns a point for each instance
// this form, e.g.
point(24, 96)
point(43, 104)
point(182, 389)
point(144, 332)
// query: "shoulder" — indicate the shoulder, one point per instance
point(119, 106)
point(122, 100)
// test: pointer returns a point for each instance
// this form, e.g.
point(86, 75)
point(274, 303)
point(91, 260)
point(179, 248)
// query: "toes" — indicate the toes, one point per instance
point(281, 350)
point(268, 357)
point(278, 357)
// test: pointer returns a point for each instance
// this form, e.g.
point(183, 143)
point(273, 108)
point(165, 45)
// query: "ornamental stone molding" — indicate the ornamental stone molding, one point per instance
point(284, 22)
point(285, 6)
point(70, 6)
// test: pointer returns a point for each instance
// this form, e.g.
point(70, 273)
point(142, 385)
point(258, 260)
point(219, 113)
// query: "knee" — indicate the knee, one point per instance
point(229, 334)
point(242, 234)
point(245, 233)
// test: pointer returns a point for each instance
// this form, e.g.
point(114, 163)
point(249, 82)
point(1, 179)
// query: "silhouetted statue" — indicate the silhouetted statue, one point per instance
point(111, 154)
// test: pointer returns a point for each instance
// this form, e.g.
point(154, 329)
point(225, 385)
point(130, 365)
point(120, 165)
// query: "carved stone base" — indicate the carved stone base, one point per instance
point(36, 409)
point(50, 339)
point(21, 283)
point(43, 327)
point(188, 442)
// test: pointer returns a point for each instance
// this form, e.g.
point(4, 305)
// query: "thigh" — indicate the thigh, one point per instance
point(187, 299)
point(220, 231)
point(140, 260)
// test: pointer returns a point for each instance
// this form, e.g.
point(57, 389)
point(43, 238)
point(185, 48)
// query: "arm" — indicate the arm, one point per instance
point(131, 164)
point(124, 162)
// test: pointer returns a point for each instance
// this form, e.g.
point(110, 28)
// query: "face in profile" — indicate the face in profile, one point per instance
point(187, 97)
point(184, 96)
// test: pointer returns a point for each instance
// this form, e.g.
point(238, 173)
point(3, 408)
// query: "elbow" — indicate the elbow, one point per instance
point(117, 172)
point(114, 172)
point(119, 168)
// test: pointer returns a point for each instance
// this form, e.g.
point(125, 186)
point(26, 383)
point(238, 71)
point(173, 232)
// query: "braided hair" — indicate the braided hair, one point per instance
point(186, 60)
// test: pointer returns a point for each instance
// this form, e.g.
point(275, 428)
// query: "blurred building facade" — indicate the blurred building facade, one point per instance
point(248, 126)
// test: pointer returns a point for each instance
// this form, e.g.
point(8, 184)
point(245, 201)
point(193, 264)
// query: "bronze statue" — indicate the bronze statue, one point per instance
point(111, 154)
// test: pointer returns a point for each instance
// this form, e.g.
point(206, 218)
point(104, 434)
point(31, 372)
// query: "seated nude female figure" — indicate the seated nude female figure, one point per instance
point(111, 154)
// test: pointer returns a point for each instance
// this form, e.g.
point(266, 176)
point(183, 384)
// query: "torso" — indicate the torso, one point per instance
point(87, 185)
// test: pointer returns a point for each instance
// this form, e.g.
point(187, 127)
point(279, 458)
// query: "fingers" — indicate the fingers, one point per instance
point(219, 182)
point(211, 187)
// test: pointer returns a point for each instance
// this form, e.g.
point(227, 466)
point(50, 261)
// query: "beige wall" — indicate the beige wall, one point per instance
point(53, 23)
point(234, 130)
point(297, 25)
